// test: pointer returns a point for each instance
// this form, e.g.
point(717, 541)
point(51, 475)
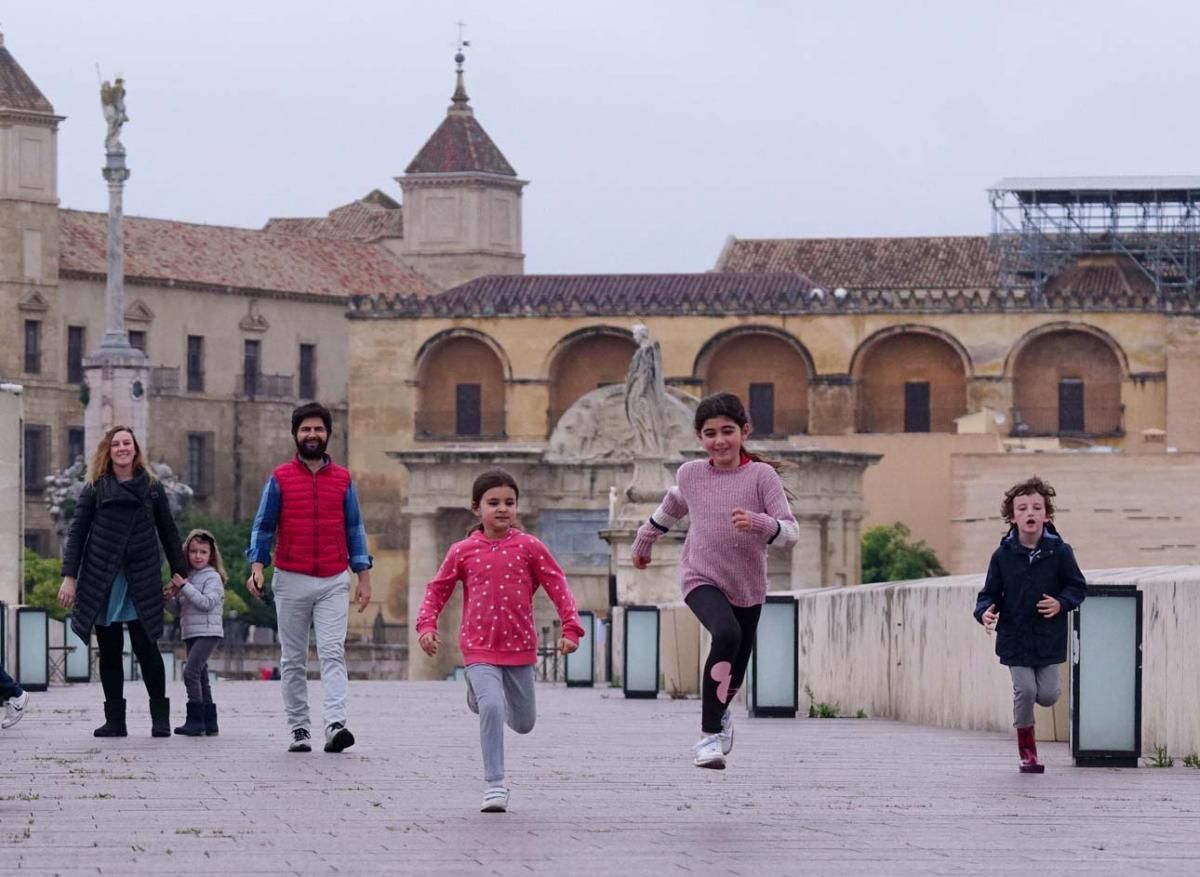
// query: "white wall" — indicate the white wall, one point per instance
point(12, 504)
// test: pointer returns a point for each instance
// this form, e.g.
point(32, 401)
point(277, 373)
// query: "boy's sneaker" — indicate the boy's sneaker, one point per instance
point(708, 753)
point(14, 710)
point(338, 737)
point(495, 800)
point(726, 734)
point(300, 740)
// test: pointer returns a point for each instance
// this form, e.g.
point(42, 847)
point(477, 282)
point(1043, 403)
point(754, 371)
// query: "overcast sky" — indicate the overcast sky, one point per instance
point(649, 129)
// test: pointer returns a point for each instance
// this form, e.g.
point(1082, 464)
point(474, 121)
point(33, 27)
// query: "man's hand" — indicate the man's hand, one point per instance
point(742, 520)
point(566, 646)
point(990, 617)
point(1048, 607)
point(429, 643)
point(362, 593)
point(254, 584)
point(640, 561)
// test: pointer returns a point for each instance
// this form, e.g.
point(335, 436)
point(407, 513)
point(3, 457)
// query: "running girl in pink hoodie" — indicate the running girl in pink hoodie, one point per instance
point(500, 568)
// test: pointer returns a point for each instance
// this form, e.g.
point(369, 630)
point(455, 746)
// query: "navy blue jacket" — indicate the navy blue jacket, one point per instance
point(1016, 580)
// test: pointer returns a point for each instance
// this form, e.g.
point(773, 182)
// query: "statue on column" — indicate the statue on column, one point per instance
point(112, 100)
point(646, 396)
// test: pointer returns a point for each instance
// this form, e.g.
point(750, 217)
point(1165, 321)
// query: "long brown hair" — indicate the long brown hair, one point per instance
point(729, 405)
point(101, 463)
point(214, 553)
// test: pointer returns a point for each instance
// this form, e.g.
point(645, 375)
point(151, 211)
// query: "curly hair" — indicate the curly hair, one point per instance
point(1025, 488)
point(101, 463)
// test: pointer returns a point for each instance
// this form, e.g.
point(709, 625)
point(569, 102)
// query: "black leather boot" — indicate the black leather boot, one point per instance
point(114, 720)
point(160, 717)
point(194, 726)
point(210, 720)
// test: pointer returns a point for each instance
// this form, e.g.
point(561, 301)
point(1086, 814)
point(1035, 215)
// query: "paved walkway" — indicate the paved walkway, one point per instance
point(602, 786)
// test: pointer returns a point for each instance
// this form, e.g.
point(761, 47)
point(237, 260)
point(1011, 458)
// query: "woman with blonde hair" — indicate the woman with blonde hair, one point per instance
point(111, 573)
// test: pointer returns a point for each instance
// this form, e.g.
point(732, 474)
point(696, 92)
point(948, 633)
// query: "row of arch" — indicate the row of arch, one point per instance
point(907, 378)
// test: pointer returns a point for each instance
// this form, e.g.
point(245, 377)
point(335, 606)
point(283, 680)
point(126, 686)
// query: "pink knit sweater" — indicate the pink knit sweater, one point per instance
point(499, 578)
point(714, 553)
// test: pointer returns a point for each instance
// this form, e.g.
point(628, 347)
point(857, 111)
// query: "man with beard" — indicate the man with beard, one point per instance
point(310, 502)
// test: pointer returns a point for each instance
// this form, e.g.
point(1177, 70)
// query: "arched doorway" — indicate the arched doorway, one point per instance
point(461, 395)
point(1067, 382)
point(910, 381)
point(768, 370)
point(585, 361)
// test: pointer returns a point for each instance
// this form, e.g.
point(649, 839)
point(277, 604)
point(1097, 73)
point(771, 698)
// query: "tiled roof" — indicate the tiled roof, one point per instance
point(17, 91)
point(369, 219)
point(871, 263)
point(179, 253)
point(1113, 278)
point(460, 145)
point(615, 294)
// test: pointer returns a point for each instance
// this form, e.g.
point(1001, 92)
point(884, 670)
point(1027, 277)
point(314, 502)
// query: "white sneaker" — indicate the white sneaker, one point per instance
point(495, 800)
point(708, 753)
point(14, 710)
point(726, 734)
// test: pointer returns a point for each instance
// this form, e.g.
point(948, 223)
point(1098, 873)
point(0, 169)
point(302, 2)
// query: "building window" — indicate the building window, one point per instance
point(137, 339)
point(33, 347)
point(74, 444)
point(76, 337)
point(468, 409)
point(1070, 405)
point(916, 406)
point(762, 408)
point(195, 363)
point(251, 367)
point(308, 371)
point(37, 457)
point(200, 462)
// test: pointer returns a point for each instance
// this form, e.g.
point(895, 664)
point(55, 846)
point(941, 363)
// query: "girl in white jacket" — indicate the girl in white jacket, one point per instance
point(198, 602)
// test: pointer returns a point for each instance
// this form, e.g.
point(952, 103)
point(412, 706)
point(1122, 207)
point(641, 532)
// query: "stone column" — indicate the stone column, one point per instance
point(423, 564)
point(831, 405)
point(117, 375)
point(808, 554)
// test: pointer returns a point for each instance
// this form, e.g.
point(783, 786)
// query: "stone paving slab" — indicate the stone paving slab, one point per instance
point(602, 786)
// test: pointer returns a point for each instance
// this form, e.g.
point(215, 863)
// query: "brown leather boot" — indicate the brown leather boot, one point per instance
point(1027, 747)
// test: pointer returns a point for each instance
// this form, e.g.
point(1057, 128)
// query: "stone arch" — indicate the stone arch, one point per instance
point(584, 360)
point(1066, 380)
point(769, 369)
point(910, 378)
point(461, 377)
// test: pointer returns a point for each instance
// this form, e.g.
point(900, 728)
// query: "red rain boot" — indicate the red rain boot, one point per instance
point(1027, 746)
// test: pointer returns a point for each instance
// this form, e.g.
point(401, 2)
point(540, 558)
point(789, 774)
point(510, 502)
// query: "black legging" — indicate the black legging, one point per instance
point(732, 629)
point(112, 670)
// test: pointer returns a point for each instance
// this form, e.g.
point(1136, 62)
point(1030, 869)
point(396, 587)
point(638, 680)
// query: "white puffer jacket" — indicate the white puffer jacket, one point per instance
point(200, 604)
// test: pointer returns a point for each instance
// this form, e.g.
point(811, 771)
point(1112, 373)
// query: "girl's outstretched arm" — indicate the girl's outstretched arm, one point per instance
point(669, 511)
point(437, 593)
point(549, 575)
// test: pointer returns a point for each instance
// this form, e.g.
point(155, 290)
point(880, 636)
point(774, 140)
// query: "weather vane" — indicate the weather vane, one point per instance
point(461, 42)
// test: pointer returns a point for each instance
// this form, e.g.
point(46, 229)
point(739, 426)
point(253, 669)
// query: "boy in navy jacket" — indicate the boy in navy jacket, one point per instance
point(1032, 583)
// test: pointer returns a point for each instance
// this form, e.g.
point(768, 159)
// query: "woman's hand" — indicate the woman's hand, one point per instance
point(429, 643)
point(66, 592)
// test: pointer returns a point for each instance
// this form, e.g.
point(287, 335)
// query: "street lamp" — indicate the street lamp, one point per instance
point(640, 678)
point(1106, 678)
point(579, 662)
point(773, 684)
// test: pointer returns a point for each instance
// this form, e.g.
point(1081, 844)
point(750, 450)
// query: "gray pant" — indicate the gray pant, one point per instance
point(302, 602)
point(1033, 685)
point(502, 695)
point(195, 671)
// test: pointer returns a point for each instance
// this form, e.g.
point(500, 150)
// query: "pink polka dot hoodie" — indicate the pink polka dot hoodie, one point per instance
point(499, 579)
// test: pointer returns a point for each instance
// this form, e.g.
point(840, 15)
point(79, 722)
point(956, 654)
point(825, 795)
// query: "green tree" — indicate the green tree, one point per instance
point(233, 539)
point(889, 556)
point(43, 576)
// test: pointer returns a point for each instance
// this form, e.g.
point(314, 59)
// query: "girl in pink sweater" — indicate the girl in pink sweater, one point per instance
point(737, 506)
point(500, 568)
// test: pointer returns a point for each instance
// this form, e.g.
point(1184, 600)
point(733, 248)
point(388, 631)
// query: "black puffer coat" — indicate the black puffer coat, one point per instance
point(118, 525)
point(1016, 580)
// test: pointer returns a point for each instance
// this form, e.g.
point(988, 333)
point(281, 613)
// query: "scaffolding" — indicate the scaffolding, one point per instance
point(1041, 225)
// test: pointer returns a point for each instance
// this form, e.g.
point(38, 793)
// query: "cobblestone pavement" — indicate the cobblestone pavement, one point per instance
point(602, 786)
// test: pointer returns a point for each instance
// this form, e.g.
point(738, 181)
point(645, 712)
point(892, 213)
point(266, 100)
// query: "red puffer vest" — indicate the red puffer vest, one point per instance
point(312, 519)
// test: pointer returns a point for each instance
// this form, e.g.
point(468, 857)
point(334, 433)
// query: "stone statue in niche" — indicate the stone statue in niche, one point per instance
point(646, 396)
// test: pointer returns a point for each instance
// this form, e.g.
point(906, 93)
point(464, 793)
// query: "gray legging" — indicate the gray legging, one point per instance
point(1033, 685)
point(195, 671)
point(502, 695)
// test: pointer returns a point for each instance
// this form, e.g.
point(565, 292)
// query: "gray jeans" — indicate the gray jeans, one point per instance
point(195, 671)
point(503, 695)
point(322, 604)
point(1032, 685)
